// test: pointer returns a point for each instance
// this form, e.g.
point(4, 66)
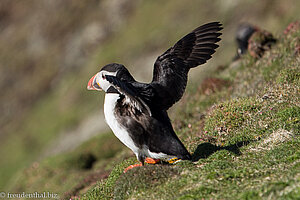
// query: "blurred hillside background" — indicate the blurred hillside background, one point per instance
point(50, 48)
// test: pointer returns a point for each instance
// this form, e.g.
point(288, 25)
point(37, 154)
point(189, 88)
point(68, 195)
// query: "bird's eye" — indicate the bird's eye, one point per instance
point(103, 76)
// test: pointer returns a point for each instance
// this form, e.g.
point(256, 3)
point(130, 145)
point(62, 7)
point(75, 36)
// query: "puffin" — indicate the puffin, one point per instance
point(137, 113)
point(243, 34)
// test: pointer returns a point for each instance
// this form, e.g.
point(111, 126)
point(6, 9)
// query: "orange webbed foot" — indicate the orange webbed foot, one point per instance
point(151, 160)
point(147, 160)
point(132, 166)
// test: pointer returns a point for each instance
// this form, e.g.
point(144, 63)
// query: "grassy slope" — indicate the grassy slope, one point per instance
point(246, 146)
point(61, 110)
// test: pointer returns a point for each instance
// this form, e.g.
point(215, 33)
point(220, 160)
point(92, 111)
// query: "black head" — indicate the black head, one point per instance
point(99, 82)
point(121, 72)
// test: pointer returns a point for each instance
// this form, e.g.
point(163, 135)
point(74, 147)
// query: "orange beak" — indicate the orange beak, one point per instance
point(92, 85)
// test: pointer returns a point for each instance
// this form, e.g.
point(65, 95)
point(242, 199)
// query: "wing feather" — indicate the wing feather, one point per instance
point(172, 67)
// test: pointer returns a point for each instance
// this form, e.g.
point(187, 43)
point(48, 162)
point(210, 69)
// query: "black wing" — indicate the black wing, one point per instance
point(171, 68)
point(130, 93)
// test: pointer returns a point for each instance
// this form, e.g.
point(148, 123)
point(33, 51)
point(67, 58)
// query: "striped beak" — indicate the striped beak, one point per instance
point(93, 85)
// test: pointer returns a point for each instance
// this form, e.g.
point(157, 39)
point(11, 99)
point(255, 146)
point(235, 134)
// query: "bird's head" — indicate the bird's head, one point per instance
point(99, 82)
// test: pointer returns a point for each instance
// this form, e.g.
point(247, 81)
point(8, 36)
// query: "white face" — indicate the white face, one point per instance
point(101, 81)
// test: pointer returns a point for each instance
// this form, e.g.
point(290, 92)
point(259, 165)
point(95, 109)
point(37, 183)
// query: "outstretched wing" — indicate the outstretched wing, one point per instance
point(171, 68)
point(131, 94)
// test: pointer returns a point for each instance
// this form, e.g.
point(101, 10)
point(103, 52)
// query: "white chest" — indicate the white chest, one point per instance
point(119, 131)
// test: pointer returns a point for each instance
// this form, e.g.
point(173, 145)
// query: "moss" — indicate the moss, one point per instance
point(289, 76)
point(226, 120)
point(104, 189)
point(247, 195)
point(274, 189)
point(199, 193)
point(270, 72)
point(289, 118)
point(285, 152)
point(144, 178)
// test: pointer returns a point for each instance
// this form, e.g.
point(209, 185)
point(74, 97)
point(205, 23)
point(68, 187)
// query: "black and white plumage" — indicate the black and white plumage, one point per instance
point(137, 112)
